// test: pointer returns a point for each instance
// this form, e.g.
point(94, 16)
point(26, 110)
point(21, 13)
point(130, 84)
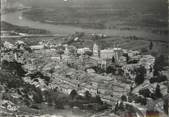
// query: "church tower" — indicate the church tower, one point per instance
point(96, 50)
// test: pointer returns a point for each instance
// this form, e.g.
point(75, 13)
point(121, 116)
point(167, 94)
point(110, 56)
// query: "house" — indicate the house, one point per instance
point(117, 53)
point(106, 53)
point(8, 45)
point(96, 50)
point(20, 45)
point(70, 50)
point(37, 47)
point(83, 50)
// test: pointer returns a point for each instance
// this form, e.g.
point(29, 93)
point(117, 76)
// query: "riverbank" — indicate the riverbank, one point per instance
point(22, 29)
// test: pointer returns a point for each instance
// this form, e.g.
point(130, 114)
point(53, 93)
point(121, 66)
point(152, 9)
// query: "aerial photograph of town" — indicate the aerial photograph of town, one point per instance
point(84, 58)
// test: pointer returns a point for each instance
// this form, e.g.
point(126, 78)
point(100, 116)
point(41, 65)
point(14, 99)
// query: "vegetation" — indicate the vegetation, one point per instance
point(138, 99)
point(147, 93)
point(158, 93)
point(38, 74)
point(13, 67)
point(73, 94)
point(160, 63)
point(158, 79)
point(123, 98)
point(151, 45)
point(10, 80)
point(140, 75)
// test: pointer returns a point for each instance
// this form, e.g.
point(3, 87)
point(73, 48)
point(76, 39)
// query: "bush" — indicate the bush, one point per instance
point(88, 95)
point(158, 93)
point(73, 94)
point(140, 75)
point(158, 79)
point(123, 98)
point(98, 99)
point(141, 100)
point(145, 93)
point(13, 67)
point(160, 63)
point(10, 79)
point(38, 98)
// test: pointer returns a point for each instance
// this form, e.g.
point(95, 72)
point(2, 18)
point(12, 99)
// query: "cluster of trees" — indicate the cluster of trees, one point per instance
point(11, 74)
point(13, 67)
point(140, 75)
point(160, 64)
point(38, 74)
point(147, 93)
point(138, 99)
point(10, 80)
point(59, 100)
point(87, 101)
point(158, 79)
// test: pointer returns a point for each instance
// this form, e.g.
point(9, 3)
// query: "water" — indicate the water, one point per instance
point(17, 19)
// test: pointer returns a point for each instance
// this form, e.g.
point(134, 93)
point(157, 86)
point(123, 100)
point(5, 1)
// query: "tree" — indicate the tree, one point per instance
point(98, 99)
point(145, 92)
point(140, 75)
point(158, 93)
point(13, 67)
point(158, 79)
point(73, 94)
point(151, 45)
point(159, 64)
point(51, 71)
point(60, 52)
point(144, 50)
point(37, 95)
point(113, 59)
point(165, 105)
point(123, 98)
point(10, 80)
point(60, 101)
point(27, 48)
point(88, 95)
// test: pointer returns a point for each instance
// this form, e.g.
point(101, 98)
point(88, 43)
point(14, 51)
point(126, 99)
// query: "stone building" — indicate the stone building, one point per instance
point(96, 50)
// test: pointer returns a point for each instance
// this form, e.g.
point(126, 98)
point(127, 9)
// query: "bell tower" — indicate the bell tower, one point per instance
point(96, 50)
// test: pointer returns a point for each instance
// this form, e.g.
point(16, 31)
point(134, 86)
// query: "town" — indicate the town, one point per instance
point(114, 77)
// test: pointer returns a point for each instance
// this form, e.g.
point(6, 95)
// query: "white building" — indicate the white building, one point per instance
point(107, 53)
point(96, 50)
point(37, 47)
point(8, 45)
point(83, 50)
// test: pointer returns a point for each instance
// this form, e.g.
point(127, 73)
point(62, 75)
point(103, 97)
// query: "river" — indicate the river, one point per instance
point(17, 19)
